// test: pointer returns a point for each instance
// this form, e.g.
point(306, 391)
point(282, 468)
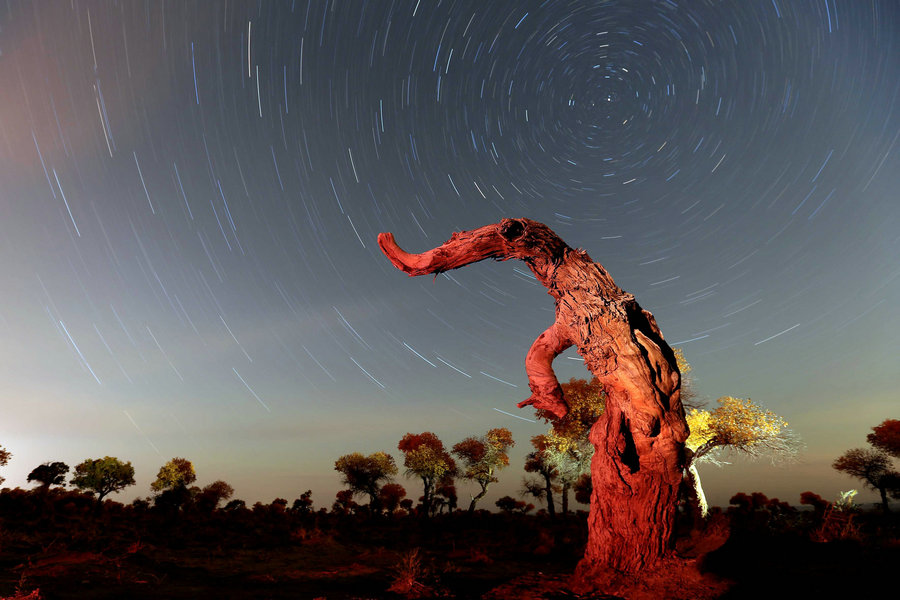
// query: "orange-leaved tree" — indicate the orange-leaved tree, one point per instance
point(390, 495)
point(424, 456)
point(886, 437)
point(482, 456)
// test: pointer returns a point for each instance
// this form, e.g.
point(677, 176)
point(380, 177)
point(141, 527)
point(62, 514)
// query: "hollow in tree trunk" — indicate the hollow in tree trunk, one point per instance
point(639, 439)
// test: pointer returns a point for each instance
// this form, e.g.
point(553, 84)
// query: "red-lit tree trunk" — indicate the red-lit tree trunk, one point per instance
point(639, 439)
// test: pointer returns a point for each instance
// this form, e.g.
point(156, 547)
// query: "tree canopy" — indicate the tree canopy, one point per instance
point(736, 425)
point(209, 498)
point(424, 456)
point(103, 476)
point(886, 437)
point(586, 401)
point(390, 496)
point(49, 473)
point(365, 474)
point(177, 473)
point(482, 456)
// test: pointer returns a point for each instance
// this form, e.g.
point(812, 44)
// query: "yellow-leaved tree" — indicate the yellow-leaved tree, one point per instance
point(736, 425)
point(424, 456)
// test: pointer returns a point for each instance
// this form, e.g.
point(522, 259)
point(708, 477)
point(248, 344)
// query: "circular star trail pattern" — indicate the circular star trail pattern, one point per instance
point(191, 194)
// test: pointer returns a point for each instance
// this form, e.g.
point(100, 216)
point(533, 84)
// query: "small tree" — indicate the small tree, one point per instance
point(873, 467)
point(209, 498)
point(171, 484)
point(736, 425)
point(538, 462)
point(391, 495)
point(570, 463)
point(566, 446)
point(5, 455)
point(303, 504)
point(344, 503)
point(49, 473)
point(424, 456)
point(445, 495)
point(508, 504)
point(365, 474)
point(482, 456)
point(103, 476)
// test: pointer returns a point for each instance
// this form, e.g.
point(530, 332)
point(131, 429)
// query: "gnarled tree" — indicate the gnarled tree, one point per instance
point(639, 439)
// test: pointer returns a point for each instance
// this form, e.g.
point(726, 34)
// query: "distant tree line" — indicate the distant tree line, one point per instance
point(557, 467)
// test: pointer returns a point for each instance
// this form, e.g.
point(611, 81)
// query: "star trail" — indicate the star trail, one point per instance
point(190, 195)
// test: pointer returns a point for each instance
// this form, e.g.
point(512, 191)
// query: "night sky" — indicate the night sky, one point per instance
point(190, 194)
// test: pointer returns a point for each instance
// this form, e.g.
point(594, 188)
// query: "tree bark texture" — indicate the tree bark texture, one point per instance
point(639, 439)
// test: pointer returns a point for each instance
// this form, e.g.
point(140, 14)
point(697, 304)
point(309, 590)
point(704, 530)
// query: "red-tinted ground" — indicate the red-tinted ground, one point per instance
point(63, 548)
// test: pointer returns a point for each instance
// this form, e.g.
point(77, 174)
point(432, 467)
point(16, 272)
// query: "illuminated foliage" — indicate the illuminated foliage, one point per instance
point(482, 456)
point(425, 457)
point(683, 365)
point(570, 463)
point(103, 476)
point(537, 462)
point(566, 450)
point(365, 474)
point(49, 474)
point(586, 401)
point(886, 437)
point(702, 429)
point(737, 425)
point(176, 474)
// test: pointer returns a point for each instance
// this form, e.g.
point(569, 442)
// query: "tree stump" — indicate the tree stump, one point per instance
point(639, 439)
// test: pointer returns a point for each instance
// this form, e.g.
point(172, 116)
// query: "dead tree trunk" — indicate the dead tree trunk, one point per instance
point(639, 439)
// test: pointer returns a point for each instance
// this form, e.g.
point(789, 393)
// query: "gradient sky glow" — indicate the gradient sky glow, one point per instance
point(190, 194)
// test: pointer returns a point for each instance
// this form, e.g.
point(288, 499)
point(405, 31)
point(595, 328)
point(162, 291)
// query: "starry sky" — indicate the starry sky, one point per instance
point(190, 194)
